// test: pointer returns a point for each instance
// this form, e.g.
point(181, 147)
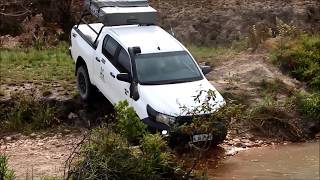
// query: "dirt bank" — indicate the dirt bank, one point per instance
point(198, 22)
point(211, 22)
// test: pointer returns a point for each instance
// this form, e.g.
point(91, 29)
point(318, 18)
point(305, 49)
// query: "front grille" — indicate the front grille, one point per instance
point(188, 119)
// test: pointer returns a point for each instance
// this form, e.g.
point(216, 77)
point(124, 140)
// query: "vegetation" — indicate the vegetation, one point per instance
point(211, 54)
point(5, 172)
point(109, 152)
point(108, 155)
point(26, 113)
point(309, 106)
point(128, 123)
point(301, 59)
point(31, 64)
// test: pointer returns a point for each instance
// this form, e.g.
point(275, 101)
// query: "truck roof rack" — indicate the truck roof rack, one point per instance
point(117, 3)
point(118, 12)
point(122, 12)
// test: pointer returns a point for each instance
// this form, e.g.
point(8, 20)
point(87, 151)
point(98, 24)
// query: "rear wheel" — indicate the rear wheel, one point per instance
point(84, 85)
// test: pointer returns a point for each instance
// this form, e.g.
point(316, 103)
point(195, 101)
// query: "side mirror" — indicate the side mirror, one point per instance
point(125, 77)
point(205, 69)
point(134, 50)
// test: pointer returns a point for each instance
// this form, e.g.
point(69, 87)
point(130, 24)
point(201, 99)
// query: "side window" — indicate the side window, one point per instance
point(109, 47)
point(123, 63)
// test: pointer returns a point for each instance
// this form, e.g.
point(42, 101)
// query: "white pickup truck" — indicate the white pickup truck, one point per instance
point(142, 64)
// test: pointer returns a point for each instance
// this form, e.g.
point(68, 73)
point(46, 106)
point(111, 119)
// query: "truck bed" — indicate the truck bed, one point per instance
point(88, 34)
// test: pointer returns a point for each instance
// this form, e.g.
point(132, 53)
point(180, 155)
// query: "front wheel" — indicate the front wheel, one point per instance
point(84, 85)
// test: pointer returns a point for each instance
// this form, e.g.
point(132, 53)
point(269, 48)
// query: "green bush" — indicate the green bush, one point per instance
point(107, 155)
point(309, 106)
point(5, 172)
point(128, 123)
point(301, 59)
point(155, 162)
point(274, 119)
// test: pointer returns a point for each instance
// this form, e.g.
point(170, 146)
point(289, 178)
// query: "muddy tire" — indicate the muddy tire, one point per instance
point(84, 86)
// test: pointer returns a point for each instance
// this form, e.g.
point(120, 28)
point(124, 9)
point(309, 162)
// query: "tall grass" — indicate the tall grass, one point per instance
point(5, 172)
point(31, 64)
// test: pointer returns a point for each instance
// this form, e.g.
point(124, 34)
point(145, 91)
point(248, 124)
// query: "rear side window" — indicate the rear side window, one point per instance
point(109, 48)
point(123, 63)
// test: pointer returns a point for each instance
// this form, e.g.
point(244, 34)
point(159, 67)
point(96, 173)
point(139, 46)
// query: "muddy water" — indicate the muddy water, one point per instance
point(293, 161)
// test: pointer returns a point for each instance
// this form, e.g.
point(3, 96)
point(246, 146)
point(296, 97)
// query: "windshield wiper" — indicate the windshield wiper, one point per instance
point(176, 81)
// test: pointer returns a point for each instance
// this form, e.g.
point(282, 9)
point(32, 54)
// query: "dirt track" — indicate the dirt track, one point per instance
point(39, 155)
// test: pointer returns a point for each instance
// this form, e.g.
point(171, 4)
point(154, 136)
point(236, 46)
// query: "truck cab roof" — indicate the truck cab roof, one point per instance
point(151, 39)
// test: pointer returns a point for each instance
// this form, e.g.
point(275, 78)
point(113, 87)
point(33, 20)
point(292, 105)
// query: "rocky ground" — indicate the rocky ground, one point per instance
point(39, 154)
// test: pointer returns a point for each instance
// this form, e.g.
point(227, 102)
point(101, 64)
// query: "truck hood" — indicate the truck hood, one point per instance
point(170, 98)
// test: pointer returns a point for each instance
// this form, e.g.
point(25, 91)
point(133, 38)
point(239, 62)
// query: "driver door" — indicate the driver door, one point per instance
point(113, 60)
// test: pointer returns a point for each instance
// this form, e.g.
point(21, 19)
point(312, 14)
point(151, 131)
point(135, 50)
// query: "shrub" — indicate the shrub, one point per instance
point(301, 59)
point(128, 123)
point(107, 155)
point(5, 172)
point(155, 162)
point(274, 119)
point(309, 106)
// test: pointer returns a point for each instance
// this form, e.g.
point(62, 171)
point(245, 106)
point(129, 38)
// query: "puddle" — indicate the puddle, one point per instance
point(292, 161)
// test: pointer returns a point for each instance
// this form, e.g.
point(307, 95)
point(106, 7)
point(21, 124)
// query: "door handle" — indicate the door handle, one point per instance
point(111, 74)
point(126, 91)
point(97, 59)
point(74, 34)
point(103, 61)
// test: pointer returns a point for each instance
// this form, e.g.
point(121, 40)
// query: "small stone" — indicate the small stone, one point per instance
point(245, 140)
point(231, 152)
point(3, 147)
point(33, 135)
point(58, 145)
point(72, 116)
point(248, 144)
point(67, 131)
point(238, 144)
point(40, 144)
point(236, 140)
point(46, 93)
point(8, 138)
point(16, 136)
point(55, 157)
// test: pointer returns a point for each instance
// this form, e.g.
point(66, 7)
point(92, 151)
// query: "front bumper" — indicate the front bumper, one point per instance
point(178, 137)
point(155, 125)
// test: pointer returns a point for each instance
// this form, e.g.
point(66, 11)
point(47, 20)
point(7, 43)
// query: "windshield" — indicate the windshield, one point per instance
point(166, 68)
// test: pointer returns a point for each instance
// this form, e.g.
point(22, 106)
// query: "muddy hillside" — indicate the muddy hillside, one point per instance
point(203, 22)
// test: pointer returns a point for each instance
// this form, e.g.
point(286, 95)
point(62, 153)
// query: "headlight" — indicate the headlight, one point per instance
point(165, 119)
point(159, 117)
